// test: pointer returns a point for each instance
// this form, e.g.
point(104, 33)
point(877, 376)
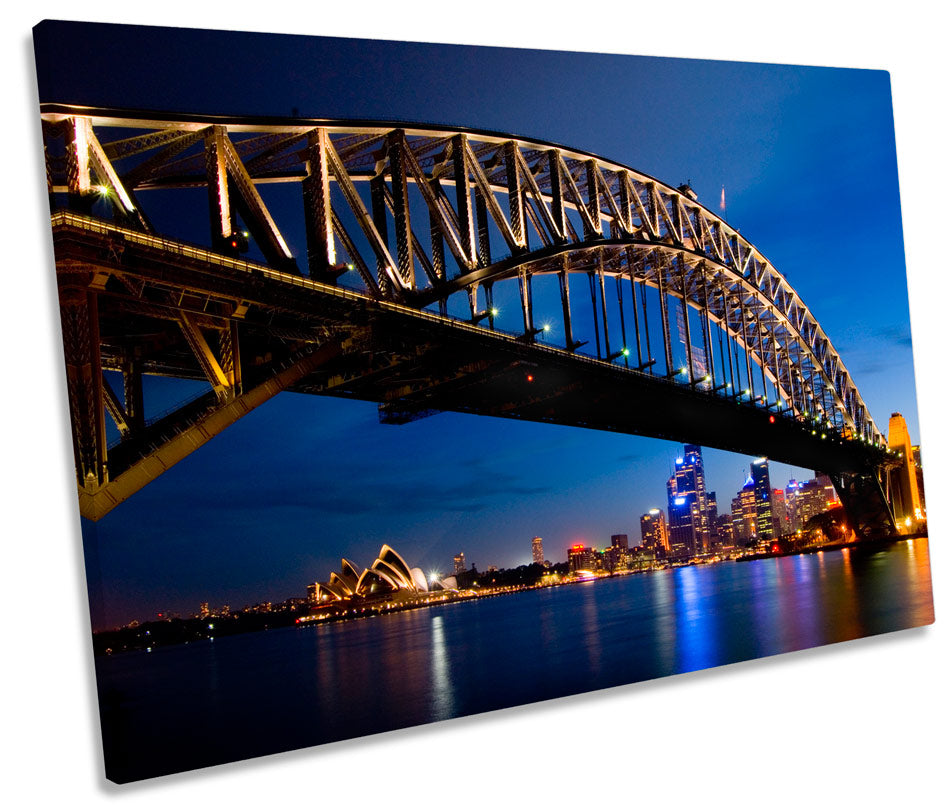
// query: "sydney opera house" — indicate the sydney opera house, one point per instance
point(389, 576)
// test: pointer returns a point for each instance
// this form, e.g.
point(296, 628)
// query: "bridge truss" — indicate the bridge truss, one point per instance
point(549, 254)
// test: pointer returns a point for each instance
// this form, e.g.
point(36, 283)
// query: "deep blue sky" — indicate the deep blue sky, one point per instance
point(807, 158)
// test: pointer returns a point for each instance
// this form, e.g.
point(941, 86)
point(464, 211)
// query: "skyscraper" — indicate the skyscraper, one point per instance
point(459, 563)
point(537, 551)
point(780, 521)
point(653, 531)
point(688, 505)
point(744, 514)
point(763, 499)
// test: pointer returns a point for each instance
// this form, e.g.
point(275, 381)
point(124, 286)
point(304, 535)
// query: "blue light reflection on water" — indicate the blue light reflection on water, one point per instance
point(231, 698)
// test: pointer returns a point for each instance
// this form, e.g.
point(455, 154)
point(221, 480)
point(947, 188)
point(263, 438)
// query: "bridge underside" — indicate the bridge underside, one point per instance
point(140, 306)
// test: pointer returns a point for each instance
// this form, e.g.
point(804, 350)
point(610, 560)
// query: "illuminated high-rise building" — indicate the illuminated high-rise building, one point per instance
point(653, 531)
point(537, 551)
point(780, 521)
point(581, 558)
point(764, 529)
point(744, 513)
point(688, 506)
point(459, 563)
point(793, 506)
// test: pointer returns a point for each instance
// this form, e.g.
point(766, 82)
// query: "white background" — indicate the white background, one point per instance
point(861, 725)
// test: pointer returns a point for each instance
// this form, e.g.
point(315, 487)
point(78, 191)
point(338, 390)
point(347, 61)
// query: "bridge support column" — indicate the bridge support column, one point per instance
point(864, 504)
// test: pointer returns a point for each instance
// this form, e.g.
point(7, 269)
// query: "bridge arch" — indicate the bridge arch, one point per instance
point(441, 220)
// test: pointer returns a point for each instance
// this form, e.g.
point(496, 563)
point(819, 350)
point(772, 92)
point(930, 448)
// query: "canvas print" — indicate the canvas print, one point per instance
point(411, 381)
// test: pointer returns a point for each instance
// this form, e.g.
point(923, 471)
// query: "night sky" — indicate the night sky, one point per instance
point(807, 158)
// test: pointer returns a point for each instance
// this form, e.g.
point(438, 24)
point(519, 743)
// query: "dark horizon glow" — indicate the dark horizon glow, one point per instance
point(808, 162)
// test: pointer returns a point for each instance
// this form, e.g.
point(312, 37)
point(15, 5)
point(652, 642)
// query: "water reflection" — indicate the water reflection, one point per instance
point(238, 697)
point(695, 616)
point(442, 699)
point(664, 621)
point(591, 627)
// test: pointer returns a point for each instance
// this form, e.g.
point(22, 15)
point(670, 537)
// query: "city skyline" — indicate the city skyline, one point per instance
point(519, 552)
point(785, 158)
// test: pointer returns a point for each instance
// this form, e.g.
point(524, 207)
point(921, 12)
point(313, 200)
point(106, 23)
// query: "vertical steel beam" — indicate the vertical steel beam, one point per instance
point(558, 214)
point(747, 346)
point(435, 234)
point(78, 180)
point(516, 202)
point(686, 330)
point(646, 324)
point(318, 213)
point(763, 365)
point(593, 201)
point(665, 316)
point(219, 201)
point(603, 305)
point(132, 391)
point(725, 314)
point(80, 321)
point(481, 219)
point(636, 317)
point(707, 329)
point(618, 280)
point(593, 306)
point(400, 194)
point(463, 196)
point(377, 195)
point(564, 279)
point(524, 288)
point(625, 212)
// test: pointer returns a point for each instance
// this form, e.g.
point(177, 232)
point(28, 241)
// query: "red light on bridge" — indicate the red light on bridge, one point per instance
point(529, 378)
point(771, 418)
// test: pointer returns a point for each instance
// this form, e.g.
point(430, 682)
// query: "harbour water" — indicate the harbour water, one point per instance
point(195, 705)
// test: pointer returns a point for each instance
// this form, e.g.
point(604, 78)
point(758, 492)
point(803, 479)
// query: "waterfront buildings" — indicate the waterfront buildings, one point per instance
point(459, 563)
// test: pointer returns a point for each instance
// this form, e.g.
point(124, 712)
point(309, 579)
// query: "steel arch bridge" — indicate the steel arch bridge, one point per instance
point(444, 269)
